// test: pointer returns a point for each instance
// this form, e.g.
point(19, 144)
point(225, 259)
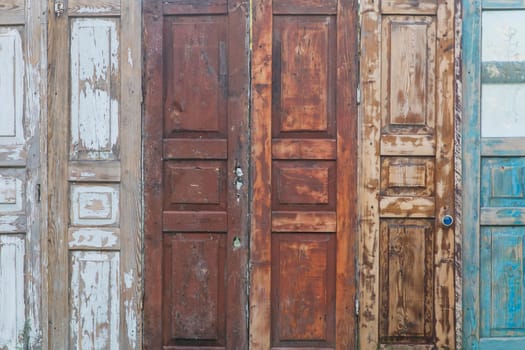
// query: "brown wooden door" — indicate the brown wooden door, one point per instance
point(407, 175)
point(304, 176)
point(196, 174)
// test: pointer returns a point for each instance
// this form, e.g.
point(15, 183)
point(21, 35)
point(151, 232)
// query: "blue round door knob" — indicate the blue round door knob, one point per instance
point(447, 220)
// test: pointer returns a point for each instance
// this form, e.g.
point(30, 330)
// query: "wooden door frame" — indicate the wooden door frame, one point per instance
point(261, 160)
point(236, 267)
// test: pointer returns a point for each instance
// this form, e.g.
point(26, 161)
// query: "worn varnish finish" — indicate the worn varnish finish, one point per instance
point(196, 174)
point(303, 159)
point(21, 90)
point(94, 176)
point(407, 180)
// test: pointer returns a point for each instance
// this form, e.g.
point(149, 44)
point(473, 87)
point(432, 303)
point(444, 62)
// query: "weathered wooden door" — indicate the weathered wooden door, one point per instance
point(304, 142)
point(94, 52)
point(196, 174)
point(406, 187)
point(494, 175)
point(21, 91)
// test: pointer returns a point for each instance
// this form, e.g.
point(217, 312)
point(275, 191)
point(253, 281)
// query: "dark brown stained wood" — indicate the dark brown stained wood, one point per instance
point(201, 7)
point(303, 273)
point(195, 149)
point(194, 267)
point(195, 221)
point(196, 174)
point(304, 180)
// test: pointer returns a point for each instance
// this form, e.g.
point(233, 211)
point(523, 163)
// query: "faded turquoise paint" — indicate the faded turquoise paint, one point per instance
point(502, 182)
point(502, 287)
point(471, 171)
point(493, 208)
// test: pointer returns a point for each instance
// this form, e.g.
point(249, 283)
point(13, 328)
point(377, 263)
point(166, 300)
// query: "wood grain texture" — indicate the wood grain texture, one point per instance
point(445, 97)
point(153, 131)
point(261, 157)
point(58, 127)
point(13, 12)
point(369, 177)
point(347, 196)
point(131, 176)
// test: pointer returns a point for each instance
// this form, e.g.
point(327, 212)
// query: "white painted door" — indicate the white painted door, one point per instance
point(94, 174)
point(21, 57)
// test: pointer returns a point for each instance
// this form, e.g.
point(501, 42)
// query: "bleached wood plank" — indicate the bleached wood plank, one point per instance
point(94, 89)
point(11, 94)
point(93, 8)
point(85, 238)
point(12, 12)
point(11, 291)
point(369, 176)
point(95, 300)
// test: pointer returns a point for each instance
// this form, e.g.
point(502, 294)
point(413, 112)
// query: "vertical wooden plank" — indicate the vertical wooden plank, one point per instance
point(36, 249)
point(153, 69)
point(369, 178)
point(471, 160)
point(260, 242)
point(444, 297)
point(58, 126)
point(237, 242)
point(347, 146)
point(12, 303)
point(130, 163)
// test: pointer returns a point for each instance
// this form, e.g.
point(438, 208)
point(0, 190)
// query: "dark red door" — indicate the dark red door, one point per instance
point(196, 183)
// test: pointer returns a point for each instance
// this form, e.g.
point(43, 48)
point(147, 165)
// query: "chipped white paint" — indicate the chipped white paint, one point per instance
point(95, 300)
point(11, 94)
point(94, 205)
point(128, 279)
point(11, 290)
point(131, 321)
point(130, 59)
point(11, 193)
point(94, 238)
point(94, 96)
point(12, 223)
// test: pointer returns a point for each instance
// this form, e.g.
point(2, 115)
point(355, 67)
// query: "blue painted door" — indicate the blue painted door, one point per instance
point(494, 175)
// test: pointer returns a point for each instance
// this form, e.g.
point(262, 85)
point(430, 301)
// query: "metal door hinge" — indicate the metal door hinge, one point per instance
point(358, 95)
point(59, 7)
point(356, 306)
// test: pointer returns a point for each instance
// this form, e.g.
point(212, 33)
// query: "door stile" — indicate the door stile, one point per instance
point(471, 160)
point(261, 160)
point(347, 153)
